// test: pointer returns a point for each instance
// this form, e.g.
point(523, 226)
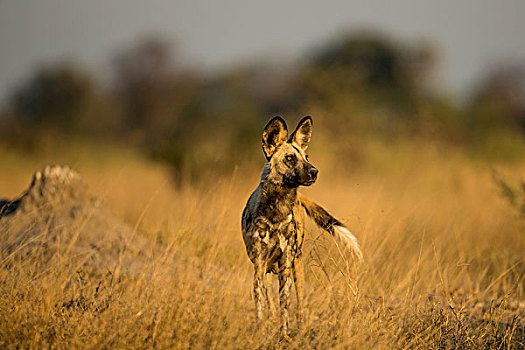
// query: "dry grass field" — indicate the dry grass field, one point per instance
point(444, 258)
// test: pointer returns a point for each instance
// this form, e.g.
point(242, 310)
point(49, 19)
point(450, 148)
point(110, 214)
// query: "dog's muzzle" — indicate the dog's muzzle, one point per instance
point(312, 176)
point(313, 173)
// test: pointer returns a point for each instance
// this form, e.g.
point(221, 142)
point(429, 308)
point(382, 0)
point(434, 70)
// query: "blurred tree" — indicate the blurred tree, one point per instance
point(153, 89)
point(500, 99)
point(54, 96)
point(373, 68)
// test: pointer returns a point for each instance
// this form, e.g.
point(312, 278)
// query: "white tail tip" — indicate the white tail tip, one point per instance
point(346, 238)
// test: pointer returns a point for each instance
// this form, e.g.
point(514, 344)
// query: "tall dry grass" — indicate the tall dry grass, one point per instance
point(444, 260)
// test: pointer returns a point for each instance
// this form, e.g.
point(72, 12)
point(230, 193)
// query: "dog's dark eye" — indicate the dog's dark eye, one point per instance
point(289, 158)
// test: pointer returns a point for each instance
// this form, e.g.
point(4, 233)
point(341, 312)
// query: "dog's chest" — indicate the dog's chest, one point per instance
point(276, 238)
point(279, 232)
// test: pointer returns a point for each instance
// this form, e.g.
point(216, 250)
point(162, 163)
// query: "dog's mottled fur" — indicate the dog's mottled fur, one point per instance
point(273, 219)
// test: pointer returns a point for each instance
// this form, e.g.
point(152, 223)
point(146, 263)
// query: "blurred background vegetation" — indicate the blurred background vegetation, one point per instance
point(358, 86)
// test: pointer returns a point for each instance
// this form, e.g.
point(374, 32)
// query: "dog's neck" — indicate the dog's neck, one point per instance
point(277, 198)
point(278, 193)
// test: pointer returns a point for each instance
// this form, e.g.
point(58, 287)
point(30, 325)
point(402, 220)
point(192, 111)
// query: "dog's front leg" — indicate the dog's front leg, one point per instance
point(269, 303)
point(285, 282)
point(259, 288)
point(298, 275)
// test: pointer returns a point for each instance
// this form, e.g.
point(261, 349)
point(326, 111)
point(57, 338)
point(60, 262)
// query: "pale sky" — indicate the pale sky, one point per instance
point(471, 35)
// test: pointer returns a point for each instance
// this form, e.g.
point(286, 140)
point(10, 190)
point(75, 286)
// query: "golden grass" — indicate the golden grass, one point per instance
point(444, 260)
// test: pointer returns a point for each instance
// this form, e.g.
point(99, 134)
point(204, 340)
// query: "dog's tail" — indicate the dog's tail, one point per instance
point(330, 224)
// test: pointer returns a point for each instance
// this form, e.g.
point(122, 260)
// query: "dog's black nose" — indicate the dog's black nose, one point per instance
point(313, 173)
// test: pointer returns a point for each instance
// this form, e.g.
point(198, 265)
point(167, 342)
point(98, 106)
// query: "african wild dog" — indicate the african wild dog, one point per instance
point(273, 219)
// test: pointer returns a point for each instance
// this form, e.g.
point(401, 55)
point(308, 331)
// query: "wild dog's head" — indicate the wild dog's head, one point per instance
point(287, 161)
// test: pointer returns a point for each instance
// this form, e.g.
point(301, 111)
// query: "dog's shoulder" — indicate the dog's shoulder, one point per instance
point(250, 209)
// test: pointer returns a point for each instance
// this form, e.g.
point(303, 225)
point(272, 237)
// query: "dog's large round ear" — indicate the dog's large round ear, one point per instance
point(303, 133)
point(274, 134)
